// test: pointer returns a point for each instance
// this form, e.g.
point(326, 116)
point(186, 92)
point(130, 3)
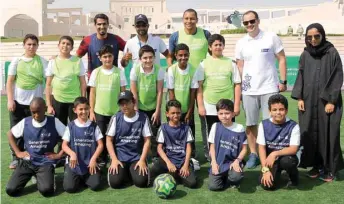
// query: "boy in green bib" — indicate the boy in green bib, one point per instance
point(106, 82)
point(146, 83)
point(24, 82)
point(182, 85)
point(65, 81)
point(218, 78)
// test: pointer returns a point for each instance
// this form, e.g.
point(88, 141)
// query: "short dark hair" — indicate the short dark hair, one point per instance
point(190, 10)
point(213, 38)
point(30, 36)
point(67, 37)
point(225, 104)
point(173, 103)
point(80, 100)
point(146, 48)
point(253, 12)
point(181, 46)
point(278, 98)
point(38, 100)
point(105, 49)
point(101, 16)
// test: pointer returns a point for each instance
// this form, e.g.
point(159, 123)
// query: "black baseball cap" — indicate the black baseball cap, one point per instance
point(141, 18)
point(125, 95)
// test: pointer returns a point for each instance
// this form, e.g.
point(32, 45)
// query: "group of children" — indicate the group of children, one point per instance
point(128, 123)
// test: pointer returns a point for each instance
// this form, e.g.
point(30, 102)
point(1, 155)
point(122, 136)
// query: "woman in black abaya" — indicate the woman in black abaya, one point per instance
point(318, 91)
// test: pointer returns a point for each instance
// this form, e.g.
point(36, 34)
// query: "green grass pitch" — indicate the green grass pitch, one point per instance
point(309, 191)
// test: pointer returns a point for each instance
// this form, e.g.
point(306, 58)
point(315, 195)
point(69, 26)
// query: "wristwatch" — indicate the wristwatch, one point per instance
point(265, 169)
point(284, 82)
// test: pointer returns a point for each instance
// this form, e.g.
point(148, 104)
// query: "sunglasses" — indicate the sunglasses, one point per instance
point(141, 25)
point(310, 37)
point(250, 21)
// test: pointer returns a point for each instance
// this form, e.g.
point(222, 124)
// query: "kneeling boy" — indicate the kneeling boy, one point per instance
point(174, 147)
point(128, 143)
point(278, 140)
point(228, 147)
point(83, 143)
point(40, 134)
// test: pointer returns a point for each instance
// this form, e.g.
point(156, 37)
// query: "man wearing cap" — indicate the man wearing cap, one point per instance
point(128, 143)
point(131, 50)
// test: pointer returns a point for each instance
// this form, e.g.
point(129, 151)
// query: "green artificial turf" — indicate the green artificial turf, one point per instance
point(309, 191)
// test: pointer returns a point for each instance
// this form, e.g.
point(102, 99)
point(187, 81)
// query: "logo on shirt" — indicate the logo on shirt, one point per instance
point(89, 132)
point(265, 50)
point(246, 83)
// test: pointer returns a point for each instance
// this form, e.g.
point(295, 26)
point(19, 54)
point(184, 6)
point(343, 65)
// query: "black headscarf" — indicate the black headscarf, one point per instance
point(324, 45)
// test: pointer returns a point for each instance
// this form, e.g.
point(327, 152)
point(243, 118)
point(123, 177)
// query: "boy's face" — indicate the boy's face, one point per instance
point(182, 57)
point(82, 111)
point(65, 46)
point(174, 114)
point(147, 59)
point(225, 116)
point(31, 46)
point(107, 59)
point(38, 111)
point(278, 113)
point(217, 48)
point(127, 106)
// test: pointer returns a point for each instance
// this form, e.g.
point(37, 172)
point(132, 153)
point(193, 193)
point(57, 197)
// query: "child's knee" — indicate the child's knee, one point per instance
point(11, 191)
point(191, 183)
point(288, 162)
point(94, 186)
point(69, 187)
point(115, 181)
point(215, 187)
point(46, 190)
point(235, 177)
point(141, 181)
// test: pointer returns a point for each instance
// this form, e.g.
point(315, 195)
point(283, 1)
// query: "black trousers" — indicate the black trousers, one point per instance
point(155, 128)
point(160, 167)
point(72, 182)
point(206, 123)
point(23, 173)
point(63, 111)
point(103, 123)
point(21, 112)
point(125, 172)
point(287, 163)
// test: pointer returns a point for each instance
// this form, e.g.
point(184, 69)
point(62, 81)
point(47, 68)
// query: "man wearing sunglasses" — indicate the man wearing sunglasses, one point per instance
point(131, 50)
point(256, 55)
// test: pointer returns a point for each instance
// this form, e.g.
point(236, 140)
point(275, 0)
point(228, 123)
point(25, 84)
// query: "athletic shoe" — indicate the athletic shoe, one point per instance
point(253, 161)
point(195, 164)
point(291, 185)
point(14, 163)
point(234, 186)
point(34, 179)
point(329, 177)
point(313, 173)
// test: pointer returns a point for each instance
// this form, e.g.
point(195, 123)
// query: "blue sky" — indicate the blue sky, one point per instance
point(180, 5)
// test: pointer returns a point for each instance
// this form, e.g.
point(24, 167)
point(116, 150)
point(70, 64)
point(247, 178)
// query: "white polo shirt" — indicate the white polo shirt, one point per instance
point(259, 54)
point(134, 44)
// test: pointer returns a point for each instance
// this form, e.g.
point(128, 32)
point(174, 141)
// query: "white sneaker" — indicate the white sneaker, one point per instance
point(195, 164)
point(34, 180)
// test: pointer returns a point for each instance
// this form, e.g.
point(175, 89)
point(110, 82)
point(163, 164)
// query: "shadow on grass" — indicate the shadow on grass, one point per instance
point(179, 194)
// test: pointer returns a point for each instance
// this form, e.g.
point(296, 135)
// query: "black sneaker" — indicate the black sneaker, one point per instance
point(313, 173)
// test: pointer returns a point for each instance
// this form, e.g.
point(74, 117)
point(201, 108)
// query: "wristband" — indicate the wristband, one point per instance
point(265, 169)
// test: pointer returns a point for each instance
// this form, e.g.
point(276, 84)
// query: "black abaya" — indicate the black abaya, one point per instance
point(319, 82)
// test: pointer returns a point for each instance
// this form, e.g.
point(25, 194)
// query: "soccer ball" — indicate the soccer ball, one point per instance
point(164, 186)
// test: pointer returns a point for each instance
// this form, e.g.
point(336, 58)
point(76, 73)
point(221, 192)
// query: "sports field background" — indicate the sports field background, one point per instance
point(309, 191)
